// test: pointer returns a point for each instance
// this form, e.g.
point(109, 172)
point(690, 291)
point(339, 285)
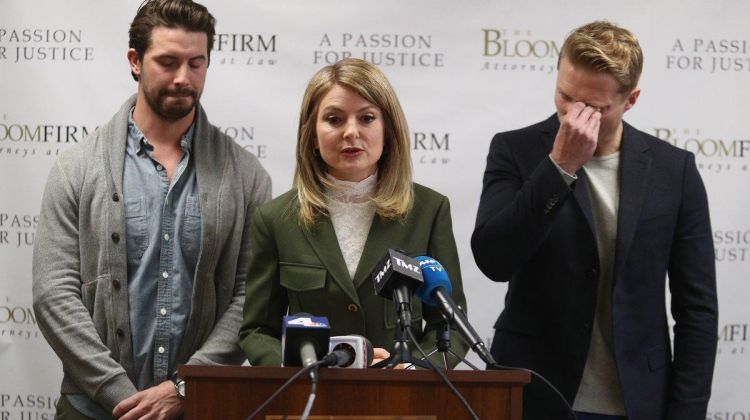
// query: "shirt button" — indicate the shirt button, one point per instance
point(115, 197)
point(116, 284)
point(115, 237)
point(166, 236)
point(163, 311)
point(120, 332)
point(161, 350)
point(159, 167)
point(165, 274)
point(352, 307)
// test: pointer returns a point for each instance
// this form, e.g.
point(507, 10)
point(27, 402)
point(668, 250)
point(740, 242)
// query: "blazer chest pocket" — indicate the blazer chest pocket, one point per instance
point(305, 285)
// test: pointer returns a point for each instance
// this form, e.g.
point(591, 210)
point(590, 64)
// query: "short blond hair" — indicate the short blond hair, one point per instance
point(605, 47)
point(394, 195)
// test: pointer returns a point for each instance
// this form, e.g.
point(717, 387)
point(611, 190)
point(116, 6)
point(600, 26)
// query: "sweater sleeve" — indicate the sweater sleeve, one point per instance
point(221, 346)
point(59, 293)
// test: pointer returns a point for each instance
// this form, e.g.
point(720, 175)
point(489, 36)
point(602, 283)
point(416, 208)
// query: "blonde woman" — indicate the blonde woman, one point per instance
point(353, 198)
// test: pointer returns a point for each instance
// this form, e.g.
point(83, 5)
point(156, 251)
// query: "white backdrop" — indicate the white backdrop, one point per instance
point(463, 71)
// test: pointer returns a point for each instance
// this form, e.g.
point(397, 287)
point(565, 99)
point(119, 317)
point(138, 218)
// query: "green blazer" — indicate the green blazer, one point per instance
point(293, 269)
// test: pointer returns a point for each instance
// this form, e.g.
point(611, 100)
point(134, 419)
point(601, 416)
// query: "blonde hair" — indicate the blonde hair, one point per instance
point(394, 195)
point(605, 47)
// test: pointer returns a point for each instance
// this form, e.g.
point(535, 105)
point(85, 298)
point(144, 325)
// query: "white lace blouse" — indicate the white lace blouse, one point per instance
point(351, 213)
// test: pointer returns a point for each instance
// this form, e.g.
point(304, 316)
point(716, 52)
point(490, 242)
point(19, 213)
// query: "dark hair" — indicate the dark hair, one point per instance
point(184, 14)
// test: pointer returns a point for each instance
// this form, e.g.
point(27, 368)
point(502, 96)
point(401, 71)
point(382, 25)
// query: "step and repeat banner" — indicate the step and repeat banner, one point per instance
point(463, 70)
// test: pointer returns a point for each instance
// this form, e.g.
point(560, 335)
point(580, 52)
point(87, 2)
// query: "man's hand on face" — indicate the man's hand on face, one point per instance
point(158, 402)
point(577, 137)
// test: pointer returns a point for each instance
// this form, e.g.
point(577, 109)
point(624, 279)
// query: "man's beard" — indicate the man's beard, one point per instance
point(175, 111)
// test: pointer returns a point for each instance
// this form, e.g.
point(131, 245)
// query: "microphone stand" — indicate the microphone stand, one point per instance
point(443, 345)
point(400, 352)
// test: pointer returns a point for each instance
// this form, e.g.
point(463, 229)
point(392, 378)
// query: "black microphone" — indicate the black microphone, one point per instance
point(436, 291)
point(396, 277)
point(304, 339)
point(349, 351)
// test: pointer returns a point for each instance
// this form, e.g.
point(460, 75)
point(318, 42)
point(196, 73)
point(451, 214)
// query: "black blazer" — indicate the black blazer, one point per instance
point(537, 233)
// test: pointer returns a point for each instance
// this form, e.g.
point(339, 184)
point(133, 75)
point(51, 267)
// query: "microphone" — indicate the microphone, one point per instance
point(396, 277)
point(349, 351)
point(304, 339)
point(436, 291)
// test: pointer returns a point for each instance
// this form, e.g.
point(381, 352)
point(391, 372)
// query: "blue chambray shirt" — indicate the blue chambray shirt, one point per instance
point(163, 233)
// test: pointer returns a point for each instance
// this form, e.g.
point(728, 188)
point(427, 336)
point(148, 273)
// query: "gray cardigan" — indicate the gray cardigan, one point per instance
point(80, 270)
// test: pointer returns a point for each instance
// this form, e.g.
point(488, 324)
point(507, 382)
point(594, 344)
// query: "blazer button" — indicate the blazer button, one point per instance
point(551, 202)
point(115, 237)
point(115, 197)
point(352, 308)
point(116, 284)
point(120, 332)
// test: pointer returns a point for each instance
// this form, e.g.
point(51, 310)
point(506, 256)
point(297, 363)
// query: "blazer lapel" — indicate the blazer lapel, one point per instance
point(581, 194)
point(323, 241)
point(374, 250)
point(581, 185)
point(635, 165)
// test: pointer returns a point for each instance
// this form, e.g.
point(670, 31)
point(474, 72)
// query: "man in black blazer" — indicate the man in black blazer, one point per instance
point(585, 216)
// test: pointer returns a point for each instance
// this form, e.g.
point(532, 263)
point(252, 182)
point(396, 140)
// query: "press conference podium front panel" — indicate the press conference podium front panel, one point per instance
point(234, 392)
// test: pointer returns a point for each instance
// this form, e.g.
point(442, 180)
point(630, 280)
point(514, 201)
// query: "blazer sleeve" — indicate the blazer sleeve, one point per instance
point(516, 210)
point(692, 284)
point(265, 300)
point(442, 247)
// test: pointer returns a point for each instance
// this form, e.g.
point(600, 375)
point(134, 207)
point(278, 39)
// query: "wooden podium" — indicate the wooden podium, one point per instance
point(234, 392)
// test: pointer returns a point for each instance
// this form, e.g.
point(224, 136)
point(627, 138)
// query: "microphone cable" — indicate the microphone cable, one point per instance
point(497, 366)
point(543, 379)
point(286, 384)
point(310, 399)
point(442, 375)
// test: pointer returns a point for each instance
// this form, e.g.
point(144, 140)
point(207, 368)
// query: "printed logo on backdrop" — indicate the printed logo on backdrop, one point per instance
point(728, 415)
point(733, 339)
point(430, 148)
point(17, 230)
point(17, 321)
point(714, 153)
point(731, 246)
point(19, 45)
point(709, 55)
point(22, 140)
point(18, 324)
point(27, 406)
point(242, 49)
point(381, 49)
point(518, 50)
point(244, 135)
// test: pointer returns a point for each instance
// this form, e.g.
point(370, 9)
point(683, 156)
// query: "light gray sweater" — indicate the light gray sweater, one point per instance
point(80, 270)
